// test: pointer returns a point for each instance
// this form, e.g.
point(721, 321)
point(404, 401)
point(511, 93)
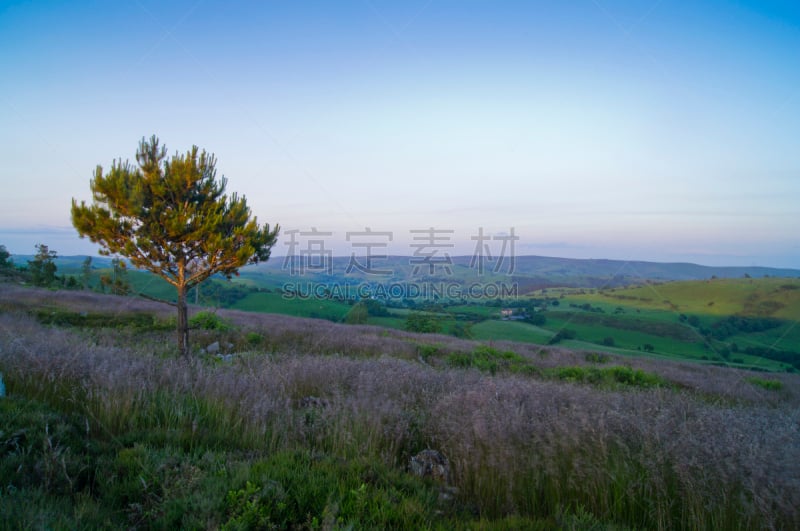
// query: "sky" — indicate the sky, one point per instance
point(637, 130)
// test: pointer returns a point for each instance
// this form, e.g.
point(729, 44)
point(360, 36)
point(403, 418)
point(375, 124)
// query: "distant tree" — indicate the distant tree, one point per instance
point(173, 218)
point(86, 272)
point(42, 268)
point(117, 280)
point(358, 314)
point(608, 341)
point(5, 258)
point(537, 318)
point(422, 322)
point(462, 330)
point(564, 333)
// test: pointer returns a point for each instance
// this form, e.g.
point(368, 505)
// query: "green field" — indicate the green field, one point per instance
point(274, 302)
point(775, 297)
point(673, 319)
point(511, 331)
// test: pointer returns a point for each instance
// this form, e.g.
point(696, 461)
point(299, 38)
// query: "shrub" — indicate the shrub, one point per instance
point(206, 320)
point(565, 333)
point(488, 359)
point(769, 385)
point(423, 323)
point(253, 339)
point(595, 357)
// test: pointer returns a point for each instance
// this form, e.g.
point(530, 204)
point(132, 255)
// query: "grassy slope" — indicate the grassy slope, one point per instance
point(627, 313)
point(774, 297)
point(102, 433)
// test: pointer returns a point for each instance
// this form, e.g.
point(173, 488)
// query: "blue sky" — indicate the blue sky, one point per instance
point(661, 130)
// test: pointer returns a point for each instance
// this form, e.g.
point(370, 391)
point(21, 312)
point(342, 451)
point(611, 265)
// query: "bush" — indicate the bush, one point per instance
point(488, 359)
point(254, 339)
point(594, 357)
point(566, 333)
point(769, 385)
point(206, 320)
point(423, 323)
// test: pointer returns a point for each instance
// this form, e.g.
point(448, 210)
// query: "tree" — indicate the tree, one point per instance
point(423, 323)
point(5, 258)
point(86, 272)
point(358, 314)
point(172, 218)
point(42, 268)
point(117, 281)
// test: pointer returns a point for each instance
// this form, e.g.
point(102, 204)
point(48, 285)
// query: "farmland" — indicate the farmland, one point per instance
point(742, 322)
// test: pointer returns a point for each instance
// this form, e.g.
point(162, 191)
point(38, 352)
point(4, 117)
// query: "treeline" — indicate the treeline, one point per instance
point(732, 325)
point(42, 272)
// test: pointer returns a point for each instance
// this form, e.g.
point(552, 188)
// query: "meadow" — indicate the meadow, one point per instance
point(309, 424)
point(680, 319)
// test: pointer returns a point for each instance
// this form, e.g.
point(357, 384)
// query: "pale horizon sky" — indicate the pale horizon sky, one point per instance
point(662, 131)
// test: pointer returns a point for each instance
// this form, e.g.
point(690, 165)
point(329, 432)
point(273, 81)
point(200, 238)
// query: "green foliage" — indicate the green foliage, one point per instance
point(136, 320)
point(117, 281)
point(488, 359)
point(734, 324)
point(5, 258)
point(536, 318)
point(427, 351)
point(86, 272)
point(358, 314)
point(769, 385)
point(423, 323)
point(595, 357)
point(564, 333)
point(254, 339)
point(608, 376)
point(173, 218)
point(375, 308)
point(296, 488)
point(42, 268)
point(205, 320)
point(462, 330)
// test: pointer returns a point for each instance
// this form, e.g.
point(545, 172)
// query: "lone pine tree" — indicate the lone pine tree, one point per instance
point(173, 218)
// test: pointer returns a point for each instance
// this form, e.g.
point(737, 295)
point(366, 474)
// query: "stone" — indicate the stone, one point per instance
point(313, 401)
point(430, 464)
point(213, 347)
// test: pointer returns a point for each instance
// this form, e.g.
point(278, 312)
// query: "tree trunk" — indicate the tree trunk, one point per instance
point(183, 322)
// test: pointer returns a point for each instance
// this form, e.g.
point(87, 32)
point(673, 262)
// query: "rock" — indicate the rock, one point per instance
point(430, 464)
point(313, 401)
point(213, 347)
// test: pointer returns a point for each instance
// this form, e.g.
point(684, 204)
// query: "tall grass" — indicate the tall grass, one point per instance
point(520, 446)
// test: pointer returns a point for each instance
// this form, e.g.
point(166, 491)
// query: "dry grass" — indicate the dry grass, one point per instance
point(715, 453)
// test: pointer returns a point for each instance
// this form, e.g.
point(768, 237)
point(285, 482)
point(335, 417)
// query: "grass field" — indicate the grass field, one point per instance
point(775, 297)
point(309, 424)
point(274, 302)
point(511, 331)
point(654, 317)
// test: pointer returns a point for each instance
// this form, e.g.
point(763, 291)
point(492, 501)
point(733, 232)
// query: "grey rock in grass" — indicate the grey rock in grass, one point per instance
point(430, 464)
point(213, 348)
point(313, 401)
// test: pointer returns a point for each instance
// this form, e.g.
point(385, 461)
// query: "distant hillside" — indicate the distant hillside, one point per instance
point(764, 297)
point(529, 272)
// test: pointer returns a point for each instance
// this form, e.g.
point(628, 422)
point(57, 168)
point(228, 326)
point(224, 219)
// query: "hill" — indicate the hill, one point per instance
point(530, 272)
point(307, 423)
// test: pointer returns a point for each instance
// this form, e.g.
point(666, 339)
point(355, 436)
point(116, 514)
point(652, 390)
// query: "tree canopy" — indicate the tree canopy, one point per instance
point(43, 268)
point(173, 218)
